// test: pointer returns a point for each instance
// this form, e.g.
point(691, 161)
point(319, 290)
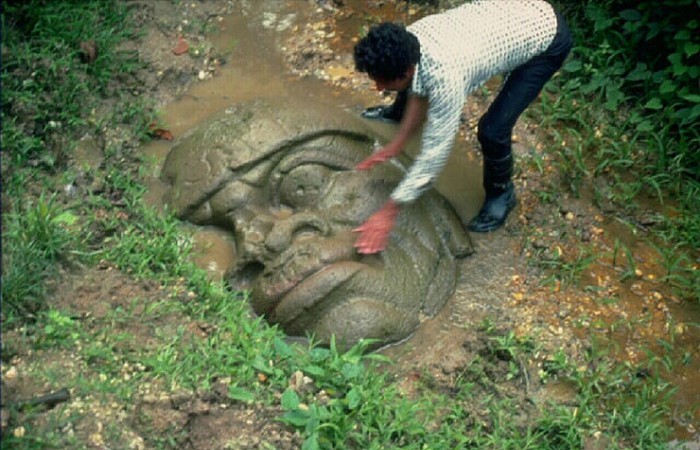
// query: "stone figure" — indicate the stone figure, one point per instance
point(280, 176)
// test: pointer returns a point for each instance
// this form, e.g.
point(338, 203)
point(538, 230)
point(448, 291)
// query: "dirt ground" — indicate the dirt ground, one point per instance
point(513, 295)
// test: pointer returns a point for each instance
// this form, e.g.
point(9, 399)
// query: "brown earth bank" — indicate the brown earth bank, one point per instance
point(501, 290)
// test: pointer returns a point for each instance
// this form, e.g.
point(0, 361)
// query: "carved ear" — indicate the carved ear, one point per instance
point(455, 234)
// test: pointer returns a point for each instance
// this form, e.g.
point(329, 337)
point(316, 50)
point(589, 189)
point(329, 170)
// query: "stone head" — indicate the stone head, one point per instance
point(279, 175)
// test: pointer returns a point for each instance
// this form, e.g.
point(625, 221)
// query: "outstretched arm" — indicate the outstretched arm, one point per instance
point(413, 119)
point(374, 233)
point(438, 137)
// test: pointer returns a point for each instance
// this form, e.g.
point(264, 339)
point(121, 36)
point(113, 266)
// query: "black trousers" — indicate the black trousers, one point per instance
point(521, 87)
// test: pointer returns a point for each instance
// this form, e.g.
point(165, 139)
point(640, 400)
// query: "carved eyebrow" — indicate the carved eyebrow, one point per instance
point(294, 145)
point(318, 155)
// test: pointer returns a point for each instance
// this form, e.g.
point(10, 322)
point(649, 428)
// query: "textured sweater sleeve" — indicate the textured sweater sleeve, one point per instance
point(446, 99)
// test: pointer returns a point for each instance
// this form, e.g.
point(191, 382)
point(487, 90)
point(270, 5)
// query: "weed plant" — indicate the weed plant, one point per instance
point(50, 88)
point(36, 238)
point(49, 84)
point(141, 241)
point(634, 67)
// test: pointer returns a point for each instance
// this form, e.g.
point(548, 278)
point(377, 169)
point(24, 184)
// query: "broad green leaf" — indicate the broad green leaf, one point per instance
point(691, 48)
point(314, 370)
point(351, 371)
point(674, 58)
point(667, 86)
point(682, 35)
point(688, 115)
point(693, 98)
point(297, 418)
point(644, 125)
point(640, 72)
point(573, 66)
point(353, 397)
point(311, 443)
point(319, 353)
point(240, 394)
point(66, 218)
point(290, 399)
point(630, 14)
point(654, 103)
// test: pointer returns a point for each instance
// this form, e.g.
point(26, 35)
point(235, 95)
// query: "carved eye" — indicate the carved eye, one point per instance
point(302, 186)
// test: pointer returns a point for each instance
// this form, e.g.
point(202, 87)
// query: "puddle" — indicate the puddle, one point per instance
point(214, 250)
point(254, 69)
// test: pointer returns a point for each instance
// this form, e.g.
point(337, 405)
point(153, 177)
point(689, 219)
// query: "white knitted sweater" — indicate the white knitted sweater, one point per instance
point(460, 50)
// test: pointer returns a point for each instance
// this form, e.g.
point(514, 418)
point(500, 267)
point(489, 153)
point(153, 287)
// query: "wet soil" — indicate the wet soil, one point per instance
point(241, 49)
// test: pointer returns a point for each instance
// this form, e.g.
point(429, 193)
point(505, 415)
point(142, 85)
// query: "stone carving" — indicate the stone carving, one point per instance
point(280, 176)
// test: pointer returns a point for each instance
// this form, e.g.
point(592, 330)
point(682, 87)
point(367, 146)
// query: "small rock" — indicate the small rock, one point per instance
point(555, 330)
point(70, 190)
point(88, 51)
point(539, 244)
point(11, 374)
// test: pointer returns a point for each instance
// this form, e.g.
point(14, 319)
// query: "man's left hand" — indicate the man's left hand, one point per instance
point(389, 151)
point(374, 233)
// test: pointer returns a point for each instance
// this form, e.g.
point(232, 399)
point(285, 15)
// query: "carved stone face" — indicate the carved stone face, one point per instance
point(280, 177)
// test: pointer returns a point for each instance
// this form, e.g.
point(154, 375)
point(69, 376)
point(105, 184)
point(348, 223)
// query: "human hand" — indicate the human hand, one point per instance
point(374, 233)
point(382, 155)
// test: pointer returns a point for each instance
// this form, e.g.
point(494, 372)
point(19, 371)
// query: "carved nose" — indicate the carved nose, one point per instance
point(299, 226)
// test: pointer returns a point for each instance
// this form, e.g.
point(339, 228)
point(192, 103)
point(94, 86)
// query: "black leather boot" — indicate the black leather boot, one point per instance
point(392, 113)
point(500, 195)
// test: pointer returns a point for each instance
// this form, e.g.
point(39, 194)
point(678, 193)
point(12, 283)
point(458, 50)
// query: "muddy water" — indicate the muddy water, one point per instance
point(668, 326)
point(254, 69)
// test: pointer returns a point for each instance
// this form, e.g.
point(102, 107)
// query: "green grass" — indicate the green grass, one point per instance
point(623, 145)
point(36, 239)
point(49, 90)
point(142, 241)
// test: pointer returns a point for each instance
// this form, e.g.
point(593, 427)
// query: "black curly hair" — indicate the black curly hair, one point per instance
point(387, 52)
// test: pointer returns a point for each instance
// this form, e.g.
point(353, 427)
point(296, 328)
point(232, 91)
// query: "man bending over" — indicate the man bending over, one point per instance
point(433, 65)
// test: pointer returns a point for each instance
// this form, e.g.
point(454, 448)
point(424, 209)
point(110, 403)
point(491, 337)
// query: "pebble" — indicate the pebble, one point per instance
point(555, 330)
point(11, 374)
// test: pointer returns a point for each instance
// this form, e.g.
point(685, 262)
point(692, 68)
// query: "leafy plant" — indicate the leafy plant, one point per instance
point(35, 239)
point(50, 83)
point(358, 407)
point(634, 66)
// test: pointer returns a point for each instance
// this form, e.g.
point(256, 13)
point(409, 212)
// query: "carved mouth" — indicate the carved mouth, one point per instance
point(313, 289)
point(297, 268)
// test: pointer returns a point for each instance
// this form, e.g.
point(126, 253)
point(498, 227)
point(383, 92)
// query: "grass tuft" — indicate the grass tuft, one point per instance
point(36, 239)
